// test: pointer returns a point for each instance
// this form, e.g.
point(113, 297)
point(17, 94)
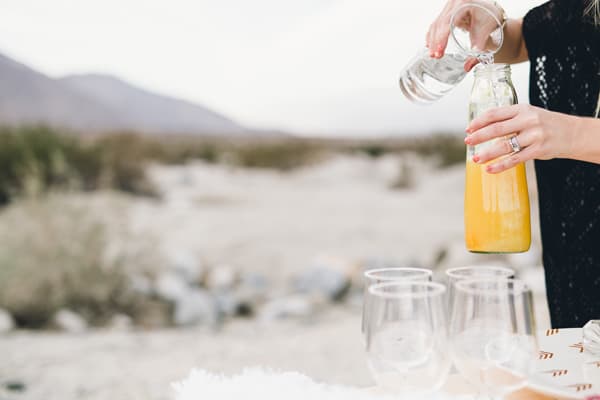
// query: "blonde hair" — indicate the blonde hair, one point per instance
point(593, 10)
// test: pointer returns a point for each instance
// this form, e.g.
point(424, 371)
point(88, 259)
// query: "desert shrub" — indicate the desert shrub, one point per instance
point(123, 159)
point(55, 254)
point(373, 150)
point(32, 159)
point(181, 150)
point(448, 150)
point(283, 155)
point(35, 159)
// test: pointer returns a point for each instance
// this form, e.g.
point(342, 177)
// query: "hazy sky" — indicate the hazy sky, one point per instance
point(309, 66)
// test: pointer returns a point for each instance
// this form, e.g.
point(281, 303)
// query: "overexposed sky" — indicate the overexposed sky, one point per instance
point(308, 66)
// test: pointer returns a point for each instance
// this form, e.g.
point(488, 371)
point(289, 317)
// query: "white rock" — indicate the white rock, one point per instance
point(68, 321)
point(245, 298)
point(171, 286)
point(254, 281)
point(7, 322)
point(227, 304)
point(141, 284)
point(198, 307)
point(187, 264)
point(252, 289)
point(329, 277)
point(286, 307)
point(121, 323)
point(221, 277)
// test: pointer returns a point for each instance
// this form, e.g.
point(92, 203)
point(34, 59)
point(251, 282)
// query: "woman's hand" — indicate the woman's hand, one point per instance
point(473, 20)
point(540, 133)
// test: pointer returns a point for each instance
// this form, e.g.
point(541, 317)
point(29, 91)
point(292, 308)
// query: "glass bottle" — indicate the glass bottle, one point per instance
point(497, 218)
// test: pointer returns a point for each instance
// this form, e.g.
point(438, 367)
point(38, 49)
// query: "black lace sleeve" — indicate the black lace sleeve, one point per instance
point(563, 50)
point(542, 29)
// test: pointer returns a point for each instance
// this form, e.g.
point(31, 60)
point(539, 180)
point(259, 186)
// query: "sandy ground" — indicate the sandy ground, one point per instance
point(278, 223)
point(120, 366)
point(275, 224)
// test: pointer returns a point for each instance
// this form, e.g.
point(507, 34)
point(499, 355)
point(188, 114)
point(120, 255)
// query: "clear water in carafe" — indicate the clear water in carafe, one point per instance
point(428, 79)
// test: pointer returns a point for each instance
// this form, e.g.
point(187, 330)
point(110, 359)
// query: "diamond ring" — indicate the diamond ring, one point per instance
point(514, 144)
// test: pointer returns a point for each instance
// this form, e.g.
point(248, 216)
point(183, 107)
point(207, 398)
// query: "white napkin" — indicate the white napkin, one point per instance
point(264, 384)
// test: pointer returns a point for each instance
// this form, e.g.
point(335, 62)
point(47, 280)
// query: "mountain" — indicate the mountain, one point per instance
point(27, 96)
point(96, 103)
point(146, 111)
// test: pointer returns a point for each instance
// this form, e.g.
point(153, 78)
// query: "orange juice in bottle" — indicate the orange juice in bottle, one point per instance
point(497, 218)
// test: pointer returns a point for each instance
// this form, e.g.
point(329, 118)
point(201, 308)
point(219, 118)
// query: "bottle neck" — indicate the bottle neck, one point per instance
point(493, 72)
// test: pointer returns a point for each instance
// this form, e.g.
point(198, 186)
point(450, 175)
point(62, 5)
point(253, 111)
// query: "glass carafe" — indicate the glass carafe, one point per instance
point(476, 31)
point(497, 218)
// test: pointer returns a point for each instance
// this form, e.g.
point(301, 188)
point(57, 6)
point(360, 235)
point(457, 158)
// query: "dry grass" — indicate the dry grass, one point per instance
point(60, 253)
point(34, 160)
point(37, 159)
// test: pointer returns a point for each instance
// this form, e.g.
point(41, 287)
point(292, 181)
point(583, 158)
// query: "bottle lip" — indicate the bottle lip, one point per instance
point(487, 69)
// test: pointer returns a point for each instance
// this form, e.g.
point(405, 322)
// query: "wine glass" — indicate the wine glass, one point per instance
point(454, 275)
point(492, 334)
point(406, 336)
point(380, 275)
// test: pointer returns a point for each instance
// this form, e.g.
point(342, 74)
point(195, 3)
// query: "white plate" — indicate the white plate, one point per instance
point(563, 370)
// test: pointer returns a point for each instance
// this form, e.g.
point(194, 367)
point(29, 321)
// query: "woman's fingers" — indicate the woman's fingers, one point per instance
point(428, 38)
point(433, 49)
point(502, 147)
point(528, 153)
point(495, 130)
point(439, 31)
point(494, 115)
point(441, 36)
point(470, 63)
point(437, 45)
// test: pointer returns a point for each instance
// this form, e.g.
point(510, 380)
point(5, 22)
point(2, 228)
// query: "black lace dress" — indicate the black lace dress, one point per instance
point(564, 50)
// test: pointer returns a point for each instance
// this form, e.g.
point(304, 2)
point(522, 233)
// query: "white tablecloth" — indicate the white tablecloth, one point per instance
point(264, 384)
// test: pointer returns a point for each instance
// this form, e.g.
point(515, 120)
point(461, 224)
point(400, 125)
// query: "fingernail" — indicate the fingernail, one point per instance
point(476, 158)
point(438, 54)
point(467, 140)
point(489, 168)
